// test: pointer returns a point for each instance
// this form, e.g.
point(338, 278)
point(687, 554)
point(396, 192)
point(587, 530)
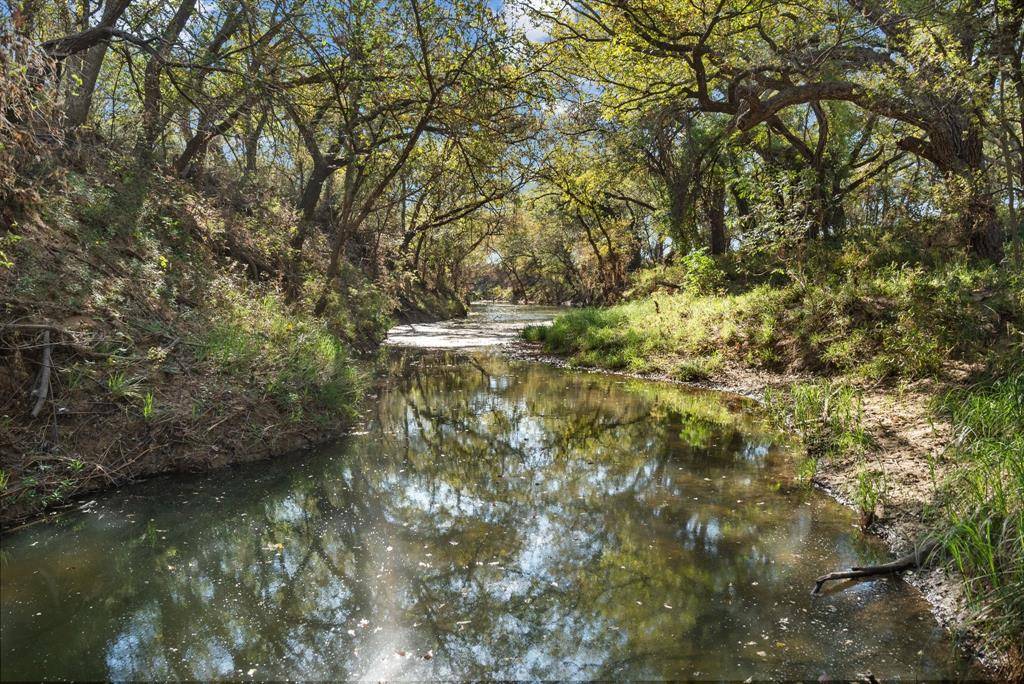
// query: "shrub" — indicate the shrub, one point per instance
point(694, 273)
point(292, 357)
point(358, 310)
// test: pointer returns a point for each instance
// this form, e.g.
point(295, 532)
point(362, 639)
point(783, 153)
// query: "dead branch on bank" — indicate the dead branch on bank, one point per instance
point(911, 561)
point(42, 390)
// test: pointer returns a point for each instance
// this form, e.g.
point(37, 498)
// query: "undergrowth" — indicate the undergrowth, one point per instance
point(175, 345)
point(859, 315)
point(980, 516)
point(293, 358)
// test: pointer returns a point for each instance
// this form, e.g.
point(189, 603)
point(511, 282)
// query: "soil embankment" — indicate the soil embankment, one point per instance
point(165, 344)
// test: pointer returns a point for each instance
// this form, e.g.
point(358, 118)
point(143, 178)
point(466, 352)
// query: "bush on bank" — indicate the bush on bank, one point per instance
point(174, 343)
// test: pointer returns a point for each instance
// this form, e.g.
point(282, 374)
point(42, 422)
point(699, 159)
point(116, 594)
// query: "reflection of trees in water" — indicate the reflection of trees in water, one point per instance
point(515, 521)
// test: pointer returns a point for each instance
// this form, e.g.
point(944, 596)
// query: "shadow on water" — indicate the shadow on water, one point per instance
point(494, 519)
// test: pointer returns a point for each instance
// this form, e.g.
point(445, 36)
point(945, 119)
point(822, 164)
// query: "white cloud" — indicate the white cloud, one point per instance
point(517, 14)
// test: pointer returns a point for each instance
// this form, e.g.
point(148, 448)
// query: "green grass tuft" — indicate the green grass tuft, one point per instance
point(827, 415)
point(981, 516)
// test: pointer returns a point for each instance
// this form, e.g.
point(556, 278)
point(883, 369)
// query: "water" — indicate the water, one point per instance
point(489, 325)
point(493, 519)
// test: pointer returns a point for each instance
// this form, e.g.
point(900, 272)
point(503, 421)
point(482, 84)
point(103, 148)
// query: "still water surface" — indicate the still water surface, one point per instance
point(490, 519)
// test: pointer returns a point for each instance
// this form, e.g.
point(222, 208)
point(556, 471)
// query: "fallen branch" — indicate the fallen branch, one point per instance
point(43, 388)
point(911, 561)
point(66, 338)
point(33, 326)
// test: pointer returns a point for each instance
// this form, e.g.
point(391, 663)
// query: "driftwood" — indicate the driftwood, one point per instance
point(912, 560)
point(42, 390)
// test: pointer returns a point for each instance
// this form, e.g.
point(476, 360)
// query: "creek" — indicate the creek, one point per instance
point(488, 518)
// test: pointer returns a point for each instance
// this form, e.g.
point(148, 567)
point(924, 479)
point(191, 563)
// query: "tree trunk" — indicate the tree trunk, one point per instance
point(980, 223)
point(92, 41)
point(191, 157)
point(835, 211)
point(152, 121)
point(716, 216)
point(79, 100)
point(977, 222)
point(333, 268)
point(418, 252)
point(680, 211)
point(252, 142)
point(65, 46)
point(956, 146)
point(150, 112)
point(308, 202)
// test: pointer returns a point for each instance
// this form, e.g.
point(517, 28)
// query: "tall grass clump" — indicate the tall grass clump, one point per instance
point(981, 514)
point(827, 416)
point(593, 337)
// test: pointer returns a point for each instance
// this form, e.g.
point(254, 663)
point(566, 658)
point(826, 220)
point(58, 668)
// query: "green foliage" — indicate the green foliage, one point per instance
point(856, 312)
point(291, 357)
point(827, 415)
point(357, 310)
point(697, 368)
point(869, 490)
point(807, 469)
point(147, 406)
point(895, 321)
point(119, 384)
point(981, 516)
point(7, 241)
point(695, 273)
point(590, 325)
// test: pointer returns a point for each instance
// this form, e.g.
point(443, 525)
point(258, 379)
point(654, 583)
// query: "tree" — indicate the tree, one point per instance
point(753, 62)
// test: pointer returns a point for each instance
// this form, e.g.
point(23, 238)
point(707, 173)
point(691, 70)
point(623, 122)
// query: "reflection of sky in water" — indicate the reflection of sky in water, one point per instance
point(125, 648)
point(495, 521)
point(489, 326)
point(442, 499)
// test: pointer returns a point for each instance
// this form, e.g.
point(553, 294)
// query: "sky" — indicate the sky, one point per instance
point(515, 14)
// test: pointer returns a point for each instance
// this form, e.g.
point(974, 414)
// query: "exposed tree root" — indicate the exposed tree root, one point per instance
point(912, 560)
